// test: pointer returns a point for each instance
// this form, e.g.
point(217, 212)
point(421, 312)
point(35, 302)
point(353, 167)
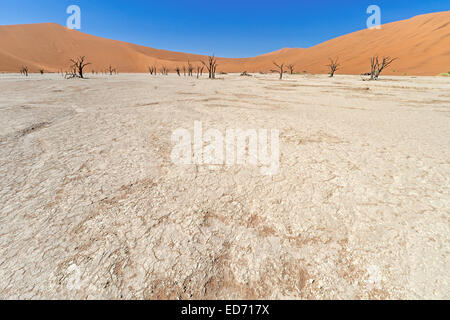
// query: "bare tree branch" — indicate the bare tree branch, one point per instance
point(291, 68)
point(77, 67)
point(376, 67)
point(211, 66)
point(334, 66)
point(280, 70)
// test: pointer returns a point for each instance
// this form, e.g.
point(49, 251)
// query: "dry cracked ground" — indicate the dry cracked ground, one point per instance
point(91, 206)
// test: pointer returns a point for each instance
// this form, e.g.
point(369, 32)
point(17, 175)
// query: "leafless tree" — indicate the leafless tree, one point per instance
point(376, 67)
point(245, 74)
point(24, 71)
point(211, 66)
point(190, 69)
point(280, 70)
point(334, 66)
point(152, 70)
point(199, 71)
point(178, 71)
point(164, 71)
point(111, 70)
point(184, 71)
point(41, 71)
point(291, 68)
point(78, 66)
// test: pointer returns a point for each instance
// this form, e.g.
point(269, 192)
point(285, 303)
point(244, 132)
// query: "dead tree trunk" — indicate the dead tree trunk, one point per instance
point(178, 71)
point(78, 66)
point(152, 70)
point(291, 68)
point(164, 71)
point(199, 71)
point(211, 66)
point(190, 69)
point(111, 70)
point(334, 66)
point(24, 71)
point(280, 69)
point(376, 67)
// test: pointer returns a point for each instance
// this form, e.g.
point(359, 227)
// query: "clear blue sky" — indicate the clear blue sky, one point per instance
point(228, 28)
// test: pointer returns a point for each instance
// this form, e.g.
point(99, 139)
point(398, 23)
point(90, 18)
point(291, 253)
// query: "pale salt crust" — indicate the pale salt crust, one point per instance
point(92, 207)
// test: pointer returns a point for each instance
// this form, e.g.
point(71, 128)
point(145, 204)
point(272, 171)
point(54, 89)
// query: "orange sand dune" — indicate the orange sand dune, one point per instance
point(422, 45)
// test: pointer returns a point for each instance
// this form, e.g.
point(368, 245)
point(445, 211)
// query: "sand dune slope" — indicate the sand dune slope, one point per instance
point(422, 45)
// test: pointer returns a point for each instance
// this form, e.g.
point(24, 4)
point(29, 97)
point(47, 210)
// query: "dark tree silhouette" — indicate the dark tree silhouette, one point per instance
point(112, 70)
point(24, 71)
point(164, 71)
point(152, 70)
point(178, 71)
point(291, 68)
point(190, 69)
point(334, 66)
point(376, 67)
point(77, 67)
point(280, 70)
point(199, 71)
point(211, 66)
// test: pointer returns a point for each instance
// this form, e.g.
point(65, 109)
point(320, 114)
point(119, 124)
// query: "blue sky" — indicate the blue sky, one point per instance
point(227, 28)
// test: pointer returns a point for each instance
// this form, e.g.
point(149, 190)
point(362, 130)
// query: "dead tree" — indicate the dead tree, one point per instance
point(71, 74)
point(199, 71)
point(334, 66)
point(184, 71)
point(24, 71)
point(78, 66)
point(190, 69)
point(41, 71)
point(112, 70)
point(164, 71)
point(291, 68)
point(178, 71)
point(376, 67)
point(280, 69)
point(152, 70)
point(211, 66)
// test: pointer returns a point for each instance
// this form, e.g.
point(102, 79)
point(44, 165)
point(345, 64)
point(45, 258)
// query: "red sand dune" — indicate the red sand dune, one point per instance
point(422, 45)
